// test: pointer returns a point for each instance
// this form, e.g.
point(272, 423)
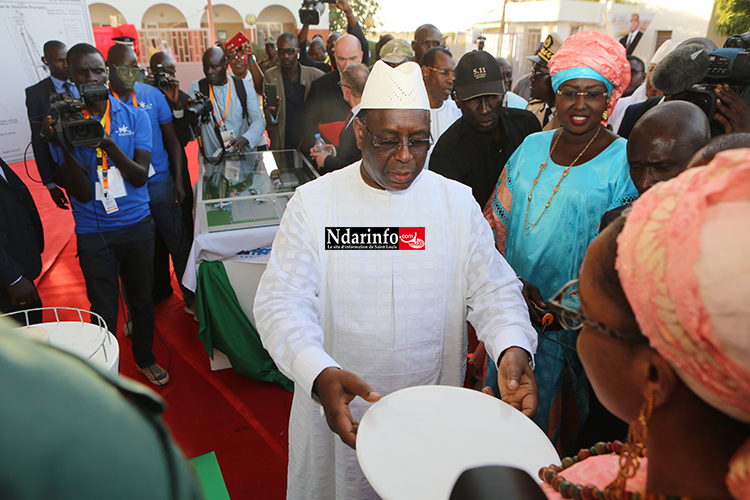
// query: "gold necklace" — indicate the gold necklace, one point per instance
point(528, 228)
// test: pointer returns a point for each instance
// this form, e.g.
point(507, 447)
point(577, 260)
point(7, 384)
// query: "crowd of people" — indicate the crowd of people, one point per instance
point(586, 225)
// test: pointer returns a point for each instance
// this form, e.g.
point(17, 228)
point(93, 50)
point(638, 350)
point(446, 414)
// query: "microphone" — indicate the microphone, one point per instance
point(547, 320)
point(681, 69)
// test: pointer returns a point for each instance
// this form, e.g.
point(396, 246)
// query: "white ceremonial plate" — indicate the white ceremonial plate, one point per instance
point(414, 443)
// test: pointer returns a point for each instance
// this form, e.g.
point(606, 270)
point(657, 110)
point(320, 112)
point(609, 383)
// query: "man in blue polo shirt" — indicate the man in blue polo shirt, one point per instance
point(114, 228)
point(166, 192)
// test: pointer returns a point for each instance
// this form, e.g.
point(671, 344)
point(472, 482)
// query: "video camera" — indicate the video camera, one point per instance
point(729, 65)
point(161, 79)
point(69, 120)
point(311, 11)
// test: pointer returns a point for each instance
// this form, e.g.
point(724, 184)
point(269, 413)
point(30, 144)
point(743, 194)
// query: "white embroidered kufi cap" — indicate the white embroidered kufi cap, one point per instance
point(662, 51)
point(401, 87)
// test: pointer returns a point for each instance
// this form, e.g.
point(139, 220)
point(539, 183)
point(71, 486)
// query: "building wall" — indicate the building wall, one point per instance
point(135, 12)
point(684, 19)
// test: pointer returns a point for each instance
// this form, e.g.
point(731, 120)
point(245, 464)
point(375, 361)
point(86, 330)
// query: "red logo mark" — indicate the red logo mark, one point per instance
point(411, 238)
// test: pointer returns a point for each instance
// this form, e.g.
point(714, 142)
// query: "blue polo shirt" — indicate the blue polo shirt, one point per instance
point(155, 104)
point(131, 130)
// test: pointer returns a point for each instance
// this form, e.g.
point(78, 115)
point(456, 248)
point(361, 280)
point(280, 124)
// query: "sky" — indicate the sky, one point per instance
point(407, 15)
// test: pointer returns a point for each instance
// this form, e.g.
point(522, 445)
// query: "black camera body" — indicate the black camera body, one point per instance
point(200, 106)
point(69, 120)
point(311, 10)
point(161, 79)
point(729, 65)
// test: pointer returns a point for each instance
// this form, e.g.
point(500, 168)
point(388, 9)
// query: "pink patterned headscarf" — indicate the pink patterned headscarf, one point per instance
point(600, 52)
point(683, 262)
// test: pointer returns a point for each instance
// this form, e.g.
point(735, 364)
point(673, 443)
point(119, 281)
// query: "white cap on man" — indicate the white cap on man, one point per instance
point(401, 87)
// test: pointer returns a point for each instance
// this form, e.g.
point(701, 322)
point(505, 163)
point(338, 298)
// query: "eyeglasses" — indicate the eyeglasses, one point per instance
point(443, 71)
point(430, 43)
point(565, 305)
point(127, 71)
point(342, 84)
point(589, 95)
point(536, 72)
point(390, 147)
point(289, 52)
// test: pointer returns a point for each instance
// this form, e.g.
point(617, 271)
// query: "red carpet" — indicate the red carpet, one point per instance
point(243, 421)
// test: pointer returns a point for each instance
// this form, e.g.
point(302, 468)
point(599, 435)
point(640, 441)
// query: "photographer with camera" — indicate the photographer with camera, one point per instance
point(163, 76)
point(235, 122)
point(166, 156)
point(106, 176)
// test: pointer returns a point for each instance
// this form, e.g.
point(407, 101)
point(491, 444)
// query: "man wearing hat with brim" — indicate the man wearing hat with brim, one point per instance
point(480, 42)
point(369, 282)
point(396, 51)
point(474, 150)
point(272, 56)
point(542, 102)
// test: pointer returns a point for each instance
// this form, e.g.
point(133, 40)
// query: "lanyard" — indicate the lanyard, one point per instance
point(132, 93)
point(229, 96)
point(101, 156)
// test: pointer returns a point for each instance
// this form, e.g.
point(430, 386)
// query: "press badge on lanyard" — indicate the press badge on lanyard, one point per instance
point(110, 183)
point(227, 136)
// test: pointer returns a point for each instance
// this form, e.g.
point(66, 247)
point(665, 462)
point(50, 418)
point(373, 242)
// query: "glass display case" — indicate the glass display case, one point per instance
point(249, 190)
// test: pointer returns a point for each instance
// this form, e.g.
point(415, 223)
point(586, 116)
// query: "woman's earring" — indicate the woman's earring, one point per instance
point(605, 115)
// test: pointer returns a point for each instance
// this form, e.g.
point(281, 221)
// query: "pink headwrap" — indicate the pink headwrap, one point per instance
point(597, 51)
point(682, 260)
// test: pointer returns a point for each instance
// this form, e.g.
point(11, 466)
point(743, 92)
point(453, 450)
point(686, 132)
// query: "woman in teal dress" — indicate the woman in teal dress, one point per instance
point(548, 204)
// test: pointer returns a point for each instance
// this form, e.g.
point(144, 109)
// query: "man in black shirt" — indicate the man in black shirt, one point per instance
point(474, 150)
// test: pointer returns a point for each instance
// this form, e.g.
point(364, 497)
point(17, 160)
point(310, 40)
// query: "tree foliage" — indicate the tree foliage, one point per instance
point(733, 17)
point(363, 10)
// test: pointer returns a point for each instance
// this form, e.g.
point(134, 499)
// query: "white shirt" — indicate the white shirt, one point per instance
point(440, 120)
point(638, 95)
point(396, 318)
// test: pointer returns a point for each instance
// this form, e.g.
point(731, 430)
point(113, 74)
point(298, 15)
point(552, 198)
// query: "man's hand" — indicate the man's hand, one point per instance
point(344, 6)
point(58, 196)
point(534, 302)
point(239, 144)
point(732, 112)
point(22, 293)
point(179, 192)
point(272, 109)
point(173, 94)
point(247, 49)
point(48, 132)
point(337, 388)
point(320, 158)
point(516, 381)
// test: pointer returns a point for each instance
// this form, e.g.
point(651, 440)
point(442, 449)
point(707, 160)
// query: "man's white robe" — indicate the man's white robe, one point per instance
point(396, 318)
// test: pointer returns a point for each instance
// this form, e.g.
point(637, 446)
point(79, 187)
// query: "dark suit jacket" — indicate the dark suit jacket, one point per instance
point(347, 151)
point(325, 105)
point(624, 40)
point(21, 233)
point(37, 106)
point(477, 160)
point(633, 113)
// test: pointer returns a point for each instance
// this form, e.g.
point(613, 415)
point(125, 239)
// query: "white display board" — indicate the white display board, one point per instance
point(24, 29)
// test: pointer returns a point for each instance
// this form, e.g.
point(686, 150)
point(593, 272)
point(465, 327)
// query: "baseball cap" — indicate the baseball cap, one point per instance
point(477, 74)
point(271, 40)
point(551, 45)
point(396, 51)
